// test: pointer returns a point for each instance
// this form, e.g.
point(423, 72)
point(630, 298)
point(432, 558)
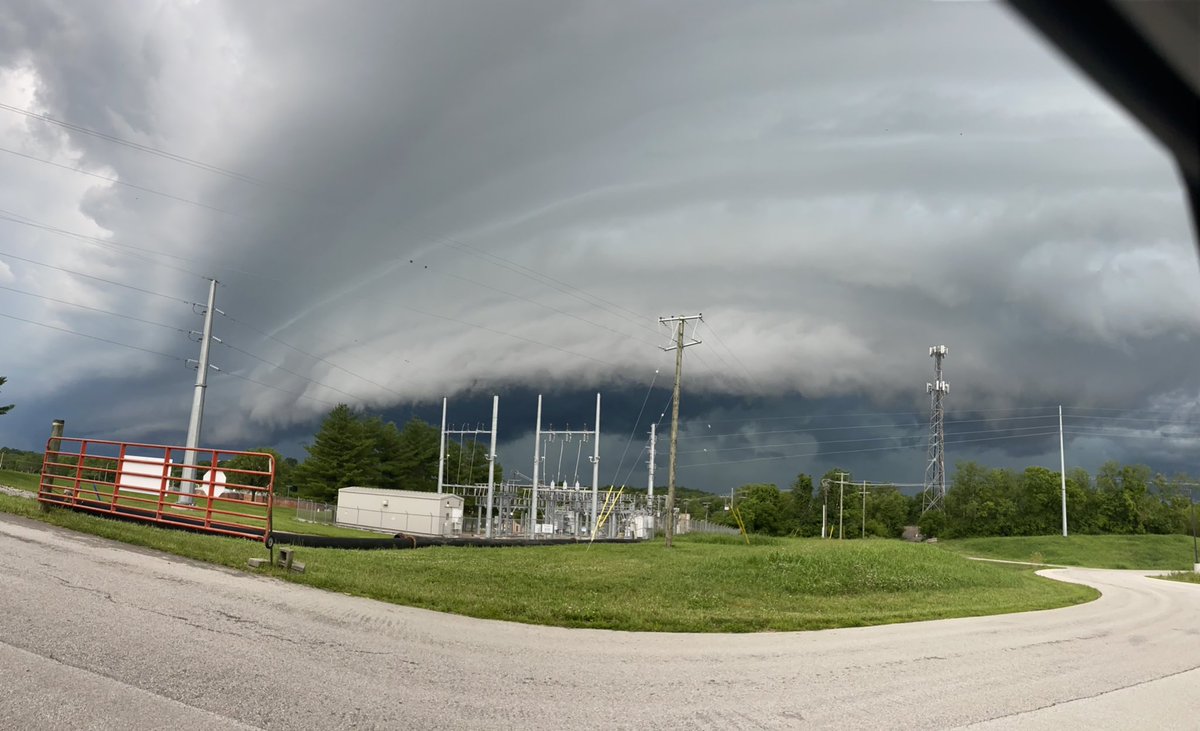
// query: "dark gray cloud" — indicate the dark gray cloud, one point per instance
point(460, 198)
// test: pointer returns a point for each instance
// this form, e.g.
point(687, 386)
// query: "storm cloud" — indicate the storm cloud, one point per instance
point(404, 201)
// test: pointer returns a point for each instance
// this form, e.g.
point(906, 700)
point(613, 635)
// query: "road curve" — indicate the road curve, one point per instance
point(95, 634)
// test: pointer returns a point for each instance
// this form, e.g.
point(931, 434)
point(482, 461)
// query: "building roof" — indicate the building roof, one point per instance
point(395, 493)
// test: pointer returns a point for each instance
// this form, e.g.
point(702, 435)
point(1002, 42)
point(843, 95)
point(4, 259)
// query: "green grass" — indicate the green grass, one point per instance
point(19, 480)
point(283, 519)
point(1100, 552)
point(704, 584)
point(1187, 577)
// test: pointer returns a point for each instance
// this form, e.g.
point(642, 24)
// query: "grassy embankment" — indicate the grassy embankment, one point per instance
point(1098, 552)
point(282, 519)
point(702, 585)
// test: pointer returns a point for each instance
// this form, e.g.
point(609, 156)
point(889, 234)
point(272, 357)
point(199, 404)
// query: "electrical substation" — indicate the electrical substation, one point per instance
point(559, 500)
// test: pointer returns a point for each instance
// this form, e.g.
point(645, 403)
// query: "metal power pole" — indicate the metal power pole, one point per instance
point(824, 508)
point(864, 510)
point(596, 466)
point(841, 505)
point(491, 458)
point(935, 469)
point(442, 451)
point(187, 487)
point(1195, 549)
point(537, 463)
point(678, 347)
point(1062, 462)
point(650, 465)
point(654, 443)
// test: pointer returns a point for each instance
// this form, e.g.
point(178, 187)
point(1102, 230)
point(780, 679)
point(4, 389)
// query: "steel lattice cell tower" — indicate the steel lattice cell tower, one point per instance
point(935, 470)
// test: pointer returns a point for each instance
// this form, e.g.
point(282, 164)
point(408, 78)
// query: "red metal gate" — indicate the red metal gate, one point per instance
point(158, 484)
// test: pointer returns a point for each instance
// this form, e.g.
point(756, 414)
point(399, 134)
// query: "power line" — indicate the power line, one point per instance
point(92, 337)
point(633, 432)
point(134, 145)
point(857, 451)
point(805, 430)
point(111, 245)
point(1126, 435)
point(551, 308)
point(94, 309)
point(98, 279)
point(860, 439)
point(1131, 418)
point(297, 394)
point(612, 308)
point(117, 181)
point(317, 358)
point(749, 376)
point(860, 413)
point(288, 370)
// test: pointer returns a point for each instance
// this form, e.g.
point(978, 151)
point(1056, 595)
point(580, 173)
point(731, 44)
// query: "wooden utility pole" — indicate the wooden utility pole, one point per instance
point(678, 346)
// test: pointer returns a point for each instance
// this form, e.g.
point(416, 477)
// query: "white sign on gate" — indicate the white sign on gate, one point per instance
point(142, 474)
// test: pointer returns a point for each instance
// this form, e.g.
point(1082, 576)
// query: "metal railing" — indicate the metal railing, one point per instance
point(170, 486)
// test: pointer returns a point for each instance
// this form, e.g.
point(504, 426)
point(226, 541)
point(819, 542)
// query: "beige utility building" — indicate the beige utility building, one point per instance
point(400, 511)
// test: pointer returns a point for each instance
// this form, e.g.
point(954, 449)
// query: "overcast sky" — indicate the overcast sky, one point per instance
point(410, 200)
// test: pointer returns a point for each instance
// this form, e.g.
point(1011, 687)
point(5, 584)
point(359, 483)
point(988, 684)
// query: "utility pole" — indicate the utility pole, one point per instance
point(596, 466)
point(187, 486)
point(1062, 461)
point(537, 463)
point(864, 510)
point(680, 322)
point(1195, 550)
point(650, 464)
point(824, 508)
point(491, 459)
point(442, 450)
point(841, 505)
point(935, 468)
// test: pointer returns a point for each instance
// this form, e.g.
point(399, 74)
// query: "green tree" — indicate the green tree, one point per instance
point(1039, 502)
point(417, 456)
point(386, 449)
point(258, 464)
point(4, 409)
point(887, 512)
point(342, 455)
point(802, 512)
point(762, 509)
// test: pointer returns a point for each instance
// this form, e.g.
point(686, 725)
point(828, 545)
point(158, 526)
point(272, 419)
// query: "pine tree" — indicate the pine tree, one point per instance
point(342, 454)
point(417, 458)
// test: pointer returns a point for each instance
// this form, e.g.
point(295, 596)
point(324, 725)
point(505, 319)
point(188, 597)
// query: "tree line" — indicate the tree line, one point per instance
point(980, 501)
point(352, 449)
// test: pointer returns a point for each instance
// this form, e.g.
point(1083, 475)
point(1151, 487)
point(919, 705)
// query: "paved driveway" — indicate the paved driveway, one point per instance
point(94, 634)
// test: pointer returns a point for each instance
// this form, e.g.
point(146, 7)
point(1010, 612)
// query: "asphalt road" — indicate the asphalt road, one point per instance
point(94, 634)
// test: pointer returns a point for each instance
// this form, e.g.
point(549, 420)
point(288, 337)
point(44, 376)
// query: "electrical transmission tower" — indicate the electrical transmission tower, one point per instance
point(188, 485)
point(935, 469)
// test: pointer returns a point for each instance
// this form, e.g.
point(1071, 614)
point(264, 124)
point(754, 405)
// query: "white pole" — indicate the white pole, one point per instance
point(653, 444)
point(195, 423)
point(650, 487)
point(841, 505)
point(596, 466)
point(492, 463)
point(1062, 461)
point(442, 451)
point(824, 508)
point(537, 463)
